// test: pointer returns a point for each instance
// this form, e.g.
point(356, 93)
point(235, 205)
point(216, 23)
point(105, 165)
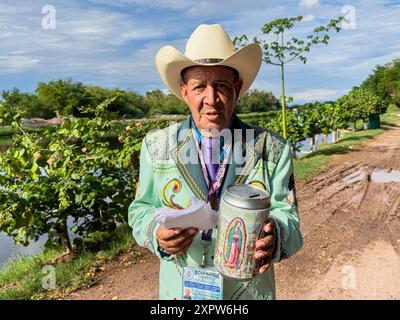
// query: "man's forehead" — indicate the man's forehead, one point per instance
point(197, 72)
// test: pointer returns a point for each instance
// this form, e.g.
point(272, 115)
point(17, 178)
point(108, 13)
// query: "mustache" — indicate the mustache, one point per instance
point(208, 110)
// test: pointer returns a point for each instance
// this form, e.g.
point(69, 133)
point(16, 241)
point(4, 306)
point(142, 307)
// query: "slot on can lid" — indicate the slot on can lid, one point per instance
point(247, 197)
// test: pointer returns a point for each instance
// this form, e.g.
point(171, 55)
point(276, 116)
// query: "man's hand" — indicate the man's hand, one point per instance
point(265, 246)
point(175, 241)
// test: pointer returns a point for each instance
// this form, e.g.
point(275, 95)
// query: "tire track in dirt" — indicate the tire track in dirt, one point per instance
point(351, 227)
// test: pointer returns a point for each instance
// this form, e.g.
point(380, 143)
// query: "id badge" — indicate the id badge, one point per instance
point(202, 284)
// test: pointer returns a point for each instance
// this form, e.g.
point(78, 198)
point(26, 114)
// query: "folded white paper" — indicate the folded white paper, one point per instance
point(198, 215)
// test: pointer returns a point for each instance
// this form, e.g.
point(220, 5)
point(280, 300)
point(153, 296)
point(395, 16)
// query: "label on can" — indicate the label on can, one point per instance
point(238, 231)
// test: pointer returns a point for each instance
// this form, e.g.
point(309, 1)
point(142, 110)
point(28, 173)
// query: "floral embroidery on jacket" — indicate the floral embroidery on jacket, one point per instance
point(176, 185)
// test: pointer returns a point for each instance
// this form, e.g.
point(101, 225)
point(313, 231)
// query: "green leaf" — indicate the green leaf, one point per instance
point(64, 203)
point(78, 198)
point(75, 176)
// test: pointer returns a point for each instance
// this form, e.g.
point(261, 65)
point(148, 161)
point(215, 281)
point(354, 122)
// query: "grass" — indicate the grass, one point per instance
point(22, 278)
point(315, 162)
point(257, 116)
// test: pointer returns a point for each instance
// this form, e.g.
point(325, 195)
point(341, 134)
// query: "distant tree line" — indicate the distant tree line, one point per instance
point(385, 82)
point(67, 97)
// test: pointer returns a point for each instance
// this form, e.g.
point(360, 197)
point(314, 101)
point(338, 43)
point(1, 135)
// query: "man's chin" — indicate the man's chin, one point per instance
point(212, 124)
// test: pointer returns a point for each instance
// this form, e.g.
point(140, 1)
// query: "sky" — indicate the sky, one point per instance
point(113, 43)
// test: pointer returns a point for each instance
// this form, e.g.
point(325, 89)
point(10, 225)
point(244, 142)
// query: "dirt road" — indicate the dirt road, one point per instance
point(352, 236)
point(351, 227)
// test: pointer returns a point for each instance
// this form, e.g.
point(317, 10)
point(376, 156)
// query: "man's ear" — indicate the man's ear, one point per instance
point(184, 91)
point(238, 87)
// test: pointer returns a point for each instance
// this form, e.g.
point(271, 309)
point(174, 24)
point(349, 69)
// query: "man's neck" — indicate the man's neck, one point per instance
point(208, 133)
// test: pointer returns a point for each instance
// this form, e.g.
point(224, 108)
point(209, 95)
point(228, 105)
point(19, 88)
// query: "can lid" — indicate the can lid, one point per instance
point(247, 196)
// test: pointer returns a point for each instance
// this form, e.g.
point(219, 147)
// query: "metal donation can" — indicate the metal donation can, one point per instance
point(242, 212)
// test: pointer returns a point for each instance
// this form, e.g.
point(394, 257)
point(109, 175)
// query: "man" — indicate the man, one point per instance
point(210, 77)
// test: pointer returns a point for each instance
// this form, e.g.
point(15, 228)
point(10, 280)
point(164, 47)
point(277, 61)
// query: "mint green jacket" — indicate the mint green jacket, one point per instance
point(167, 179)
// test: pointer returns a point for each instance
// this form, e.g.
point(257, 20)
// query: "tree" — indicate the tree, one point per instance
point(327, 119)
point(70, 172)
point(359, 104)
point(385, 82)
point(160, 104)
point(124, 103)
point(280, 51)
point(256, 101)
point(64, 96)
point(29, 104)
point(295, 128)
point(310, 120)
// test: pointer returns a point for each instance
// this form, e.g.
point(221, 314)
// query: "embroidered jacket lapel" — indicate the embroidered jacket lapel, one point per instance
point(187, 160)
point(249, 151)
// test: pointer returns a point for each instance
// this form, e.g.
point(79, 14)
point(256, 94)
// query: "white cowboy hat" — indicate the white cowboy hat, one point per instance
point(209, 45)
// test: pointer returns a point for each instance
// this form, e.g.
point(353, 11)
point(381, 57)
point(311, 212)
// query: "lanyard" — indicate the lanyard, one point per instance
point(213, 188)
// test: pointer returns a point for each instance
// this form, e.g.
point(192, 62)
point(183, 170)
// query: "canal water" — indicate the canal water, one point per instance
point(9, 251)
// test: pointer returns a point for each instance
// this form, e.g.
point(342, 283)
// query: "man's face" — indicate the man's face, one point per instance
point(211, 93)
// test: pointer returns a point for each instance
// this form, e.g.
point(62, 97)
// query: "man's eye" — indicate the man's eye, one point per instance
point(198, 87)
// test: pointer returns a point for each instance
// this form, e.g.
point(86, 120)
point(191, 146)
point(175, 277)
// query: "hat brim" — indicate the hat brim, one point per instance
point(170, 62)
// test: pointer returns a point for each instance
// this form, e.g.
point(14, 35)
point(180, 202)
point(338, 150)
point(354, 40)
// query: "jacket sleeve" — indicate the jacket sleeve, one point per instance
point(284, 211)
point(141, 212)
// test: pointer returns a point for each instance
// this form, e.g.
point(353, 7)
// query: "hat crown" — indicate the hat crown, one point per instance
point(209, 42)
point(208, 45)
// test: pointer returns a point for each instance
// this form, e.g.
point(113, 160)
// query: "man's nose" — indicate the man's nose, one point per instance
point(211, 96)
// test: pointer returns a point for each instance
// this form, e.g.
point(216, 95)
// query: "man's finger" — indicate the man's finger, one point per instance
point(269, 228)
point(175, 244)
point(180, 247)
point(266, 266)
point(261, 254)
point(186, 247)
point(167, 234)
point(179, 239)
point(265, 242)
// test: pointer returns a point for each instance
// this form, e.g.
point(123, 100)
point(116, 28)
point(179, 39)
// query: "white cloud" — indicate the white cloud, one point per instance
point(167, 4)
point(85, 42)
point(267, 85)
point(368, 64)
point(140, 34)
point(100, 27)
point(316, 94)
point(309, 3)
point(17, 63)
point(113, 43)
point(309, 17)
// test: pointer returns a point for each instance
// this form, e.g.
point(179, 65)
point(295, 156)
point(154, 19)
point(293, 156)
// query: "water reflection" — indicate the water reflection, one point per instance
point(385, 176)
point(8, 250)
point(305, 146)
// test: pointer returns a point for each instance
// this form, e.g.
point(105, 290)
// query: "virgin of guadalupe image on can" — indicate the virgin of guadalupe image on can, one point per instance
point(242, 213)
point(235, 240)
